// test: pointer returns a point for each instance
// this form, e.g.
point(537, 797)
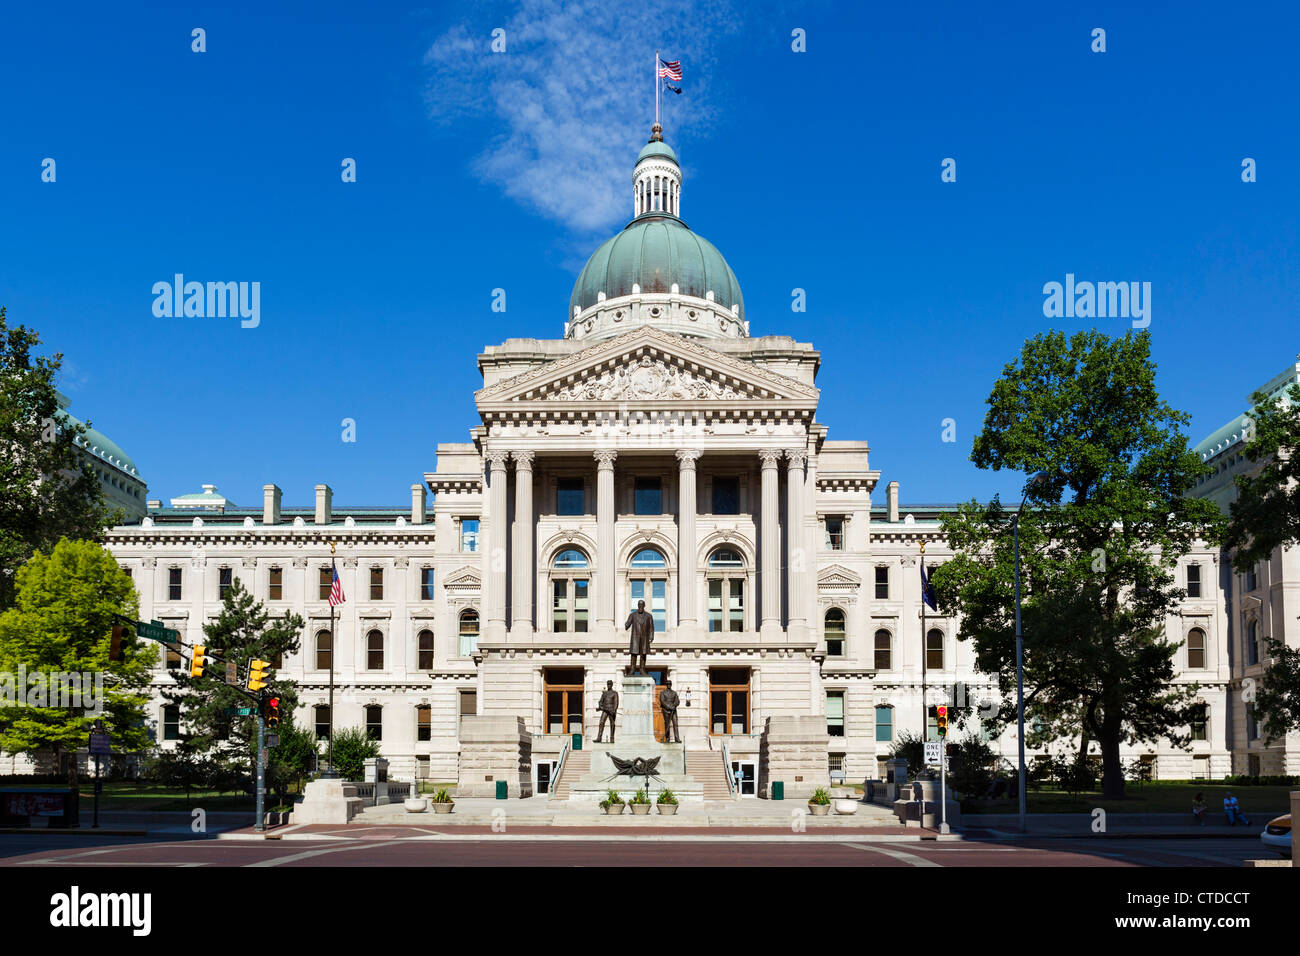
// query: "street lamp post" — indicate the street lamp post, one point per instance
point(1038, 478)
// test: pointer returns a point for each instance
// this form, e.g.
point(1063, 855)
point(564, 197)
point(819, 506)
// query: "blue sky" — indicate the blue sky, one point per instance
point(817, 170)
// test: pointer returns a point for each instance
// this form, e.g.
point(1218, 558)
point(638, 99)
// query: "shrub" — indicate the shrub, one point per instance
point(667, 796)
point(612, 797)
point(820, 796)
point(442, 796)
point(640, 797)
point(352, 748)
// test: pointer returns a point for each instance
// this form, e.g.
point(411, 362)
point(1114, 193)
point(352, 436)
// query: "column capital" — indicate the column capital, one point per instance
point(798, 457)
point(523, 459)
point(496, 459)
point(770, 456)
point(687, 457)
point(605, 458)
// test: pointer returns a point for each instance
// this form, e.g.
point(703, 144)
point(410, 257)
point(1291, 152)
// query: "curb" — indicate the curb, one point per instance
point(73, 831)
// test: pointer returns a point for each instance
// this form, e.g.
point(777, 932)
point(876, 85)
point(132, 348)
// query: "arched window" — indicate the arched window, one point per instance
point(468, 633)
point(834, 632)
point(1195, 648)
point(648, 581)
point(324, 650)
point(883, 650)
point(426, 650)
point(934, 650)
point(570, 592)
point(726, 575)
point(375, 651)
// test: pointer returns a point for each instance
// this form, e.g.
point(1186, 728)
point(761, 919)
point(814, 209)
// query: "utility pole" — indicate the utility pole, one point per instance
point(261, 771)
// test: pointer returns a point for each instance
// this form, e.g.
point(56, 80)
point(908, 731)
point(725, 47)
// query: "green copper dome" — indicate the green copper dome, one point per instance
point(654, 252)
point(657, 148)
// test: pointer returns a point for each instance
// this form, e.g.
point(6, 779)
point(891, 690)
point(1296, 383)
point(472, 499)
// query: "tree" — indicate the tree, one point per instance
point(297, 755)
point(1277, 702)
point(48, 489)
point(66, 605)
point(242, 631)
point(1099, 538)
point(1266, 513)
point(352, 747)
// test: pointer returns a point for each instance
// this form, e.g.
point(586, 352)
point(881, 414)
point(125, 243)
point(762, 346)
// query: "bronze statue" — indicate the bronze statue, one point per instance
point(642, 625)
point(608, 708)
point(668, 704)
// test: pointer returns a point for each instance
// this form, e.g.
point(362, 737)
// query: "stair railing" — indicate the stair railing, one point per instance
point(726, 770)
point(559, 768)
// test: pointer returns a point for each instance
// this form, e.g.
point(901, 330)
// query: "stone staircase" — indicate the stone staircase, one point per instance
point(707, 768)
point(577, 763)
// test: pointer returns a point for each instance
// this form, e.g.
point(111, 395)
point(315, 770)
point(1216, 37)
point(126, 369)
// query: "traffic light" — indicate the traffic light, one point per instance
point(121, 632)
point(197, 660)
point(941, 714)
point(258, 674)
point(272, 713)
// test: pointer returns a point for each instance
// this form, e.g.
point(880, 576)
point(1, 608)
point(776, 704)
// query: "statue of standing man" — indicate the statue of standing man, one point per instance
point(608, 708)
point(668, 701)
point(642, 626)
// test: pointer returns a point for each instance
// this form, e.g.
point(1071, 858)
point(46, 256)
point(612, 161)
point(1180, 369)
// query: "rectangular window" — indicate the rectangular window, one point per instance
point(1201, 767)
point(569, 497)
point(560, 606)
point(656, 601)
point(424, 722)
point(581, 602)
point(375, 722)
point(1252, 642)
point(1252, 725)
point(376, 584)
point(884, 724)
point(726, 495)
point(172, 722)
point(649, 498)
point(174, 659)
point(729, 700)
point(882, 584)
point(275, 592)
point(322, 720)
point(426, 584)
point(1193, 580)
point(726, 605)
point(835, 713)
point(1201, 723)
point(224, 578)
point(1252, 580)
point(834, 534)
point(468, 703)
point(325, 583)
point(174, 584)
point(469, 534)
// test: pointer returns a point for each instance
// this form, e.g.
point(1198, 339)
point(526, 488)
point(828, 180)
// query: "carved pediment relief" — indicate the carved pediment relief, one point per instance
point(647, 379)
point(838, 578)
point(463, 579)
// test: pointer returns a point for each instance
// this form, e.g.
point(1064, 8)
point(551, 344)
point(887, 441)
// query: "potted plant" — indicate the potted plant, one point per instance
point(442, 801)
point(667, 802)
point(416, 804)
point(640, 803)
point(819, 804)
point(612, 804)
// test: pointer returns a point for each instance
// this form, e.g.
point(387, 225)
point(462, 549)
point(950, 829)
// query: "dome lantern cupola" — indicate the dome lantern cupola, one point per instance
point(657, 271)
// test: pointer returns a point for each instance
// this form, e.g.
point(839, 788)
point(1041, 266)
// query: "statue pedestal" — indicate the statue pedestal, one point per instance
point(635, 737)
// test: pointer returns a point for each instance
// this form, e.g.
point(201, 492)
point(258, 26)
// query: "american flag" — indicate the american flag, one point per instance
point(670, 70)
point(336, 589)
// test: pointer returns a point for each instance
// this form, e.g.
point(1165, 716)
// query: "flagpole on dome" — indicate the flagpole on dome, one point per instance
point(656, 87)
point(925, 710)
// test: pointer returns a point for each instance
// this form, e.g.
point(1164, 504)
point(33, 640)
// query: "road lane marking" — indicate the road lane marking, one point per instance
point(308, 854)
point(911, 859)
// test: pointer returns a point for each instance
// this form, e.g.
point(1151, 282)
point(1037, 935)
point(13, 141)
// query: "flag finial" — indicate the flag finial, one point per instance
point(656, 133)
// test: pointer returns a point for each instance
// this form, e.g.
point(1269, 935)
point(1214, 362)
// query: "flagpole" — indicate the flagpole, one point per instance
point(656, 87)
point(925, 710)
point(333, 646)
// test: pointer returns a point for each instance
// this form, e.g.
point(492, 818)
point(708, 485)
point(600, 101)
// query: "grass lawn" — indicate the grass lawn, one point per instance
point(141, 796)
point(1157, 796)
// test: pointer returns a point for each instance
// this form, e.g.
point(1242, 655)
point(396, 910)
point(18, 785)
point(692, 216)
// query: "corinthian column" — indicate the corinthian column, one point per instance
point(606, 557)
point(494, 571)
point(521, 617)
point(770, 565)
point(795, 557)
point(686, 507)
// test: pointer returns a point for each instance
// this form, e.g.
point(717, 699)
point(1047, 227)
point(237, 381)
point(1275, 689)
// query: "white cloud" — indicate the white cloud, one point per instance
point(574, 95)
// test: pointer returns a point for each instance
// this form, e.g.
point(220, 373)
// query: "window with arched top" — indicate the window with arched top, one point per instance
point(934, 650)
point(834, 632)
point(726, 575)
point(324, 650)
point(468, 632)
point(375, 651)
point(426, 650)
point(647, 581)
point(883, 649)
point(1196, 648)
point(570, 592)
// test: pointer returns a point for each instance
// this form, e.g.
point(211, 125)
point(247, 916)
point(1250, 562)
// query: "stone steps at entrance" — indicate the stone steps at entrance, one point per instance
point(707, 768)
point(576, 765)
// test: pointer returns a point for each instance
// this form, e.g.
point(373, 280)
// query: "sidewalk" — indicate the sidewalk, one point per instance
point(1152, 825)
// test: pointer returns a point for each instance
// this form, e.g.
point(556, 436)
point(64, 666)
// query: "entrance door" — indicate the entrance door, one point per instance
point(745, 774)
point(660, 675)
point(545, 773)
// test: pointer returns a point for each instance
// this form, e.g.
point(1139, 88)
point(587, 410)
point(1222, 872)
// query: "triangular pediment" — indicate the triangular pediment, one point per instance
point(649, 365)
point(463, 579)
point(838, 577)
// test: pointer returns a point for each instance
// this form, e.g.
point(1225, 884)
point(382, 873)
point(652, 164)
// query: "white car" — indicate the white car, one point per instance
point(1277, 834)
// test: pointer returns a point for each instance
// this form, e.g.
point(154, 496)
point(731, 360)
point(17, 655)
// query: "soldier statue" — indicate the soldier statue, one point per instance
point(608, 708)
point(668, 701)
point(642, 625)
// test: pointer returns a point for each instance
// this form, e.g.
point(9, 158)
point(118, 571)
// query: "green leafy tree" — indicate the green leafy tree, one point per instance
point(48, 489)
point(909, 746)
point(352, 747)
point(1277, 701)
point(1100, 537)
point(297, 755)
point(242, 631)
point(181, 768)
point(62, 622)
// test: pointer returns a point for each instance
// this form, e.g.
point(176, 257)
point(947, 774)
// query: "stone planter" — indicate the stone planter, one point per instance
point(640, 809)
point(819, 809)
point(668, 809)
point(845, 806)
point(415, 804)
point(614, 809)
point(443, 807)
